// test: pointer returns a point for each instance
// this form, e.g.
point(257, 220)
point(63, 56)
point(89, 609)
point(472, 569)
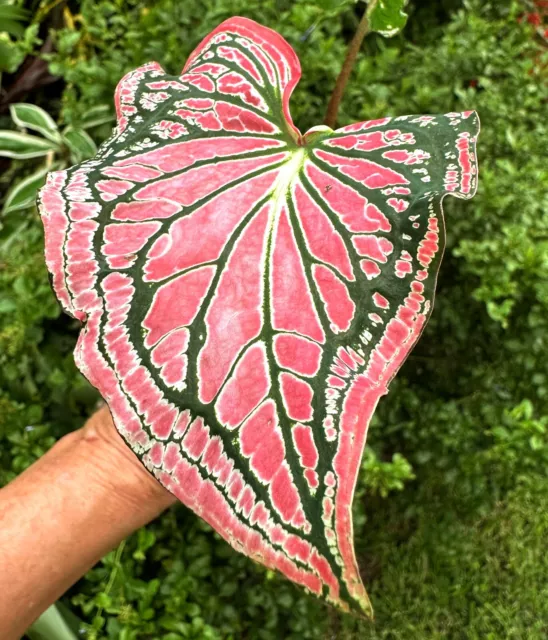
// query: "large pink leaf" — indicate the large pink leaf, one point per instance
point(247, 292)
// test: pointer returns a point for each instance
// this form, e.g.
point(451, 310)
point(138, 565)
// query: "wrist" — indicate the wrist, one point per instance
point(115, 469)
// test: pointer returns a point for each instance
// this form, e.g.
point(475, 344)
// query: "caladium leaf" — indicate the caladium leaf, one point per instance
point(247, 292)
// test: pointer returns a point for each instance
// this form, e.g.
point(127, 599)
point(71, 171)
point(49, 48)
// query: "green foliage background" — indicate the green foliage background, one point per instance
point(452, 504)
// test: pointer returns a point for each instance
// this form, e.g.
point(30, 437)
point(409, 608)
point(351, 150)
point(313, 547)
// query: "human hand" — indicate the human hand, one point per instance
point(64, 513)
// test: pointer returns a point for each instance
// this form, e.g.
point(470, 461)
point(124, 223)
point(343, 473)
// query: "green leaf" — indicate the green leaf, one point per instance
point(50, 626)
point(10, 54)
point(11, 18)
point(9, 12)
point(22, 146)
point(29, 116)
point(13, 52)
point(386, 16)
point(23, 194)
point(101, 114)
point(80, 144)
point(7, 306)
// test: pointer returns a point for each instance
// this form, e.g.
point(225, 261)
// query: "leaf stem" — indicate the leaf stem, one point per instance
point(348, 65)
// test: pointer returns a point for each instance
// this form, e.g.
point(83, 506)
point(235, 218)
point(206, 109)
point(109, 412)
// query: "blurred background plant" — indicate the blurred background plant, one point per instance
point(452, 502)
point(58, 149)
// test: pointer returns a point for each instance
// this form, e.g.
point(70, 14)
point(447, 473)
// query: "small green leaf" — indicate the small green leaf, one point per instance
point(29, 116)
point(23, 193)
point(7, 306)
point(101, 114)
point(103, 600)
point(22, 146)
point(80, 144)
point(386, 16)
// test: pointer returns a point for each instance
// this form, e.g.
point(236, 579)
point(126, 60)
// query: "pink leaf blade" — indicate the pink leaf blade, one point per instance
point(248, 293)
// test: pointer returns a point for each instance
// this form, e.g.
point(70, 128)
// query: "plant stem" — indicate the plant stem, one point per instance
point(348, 65)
